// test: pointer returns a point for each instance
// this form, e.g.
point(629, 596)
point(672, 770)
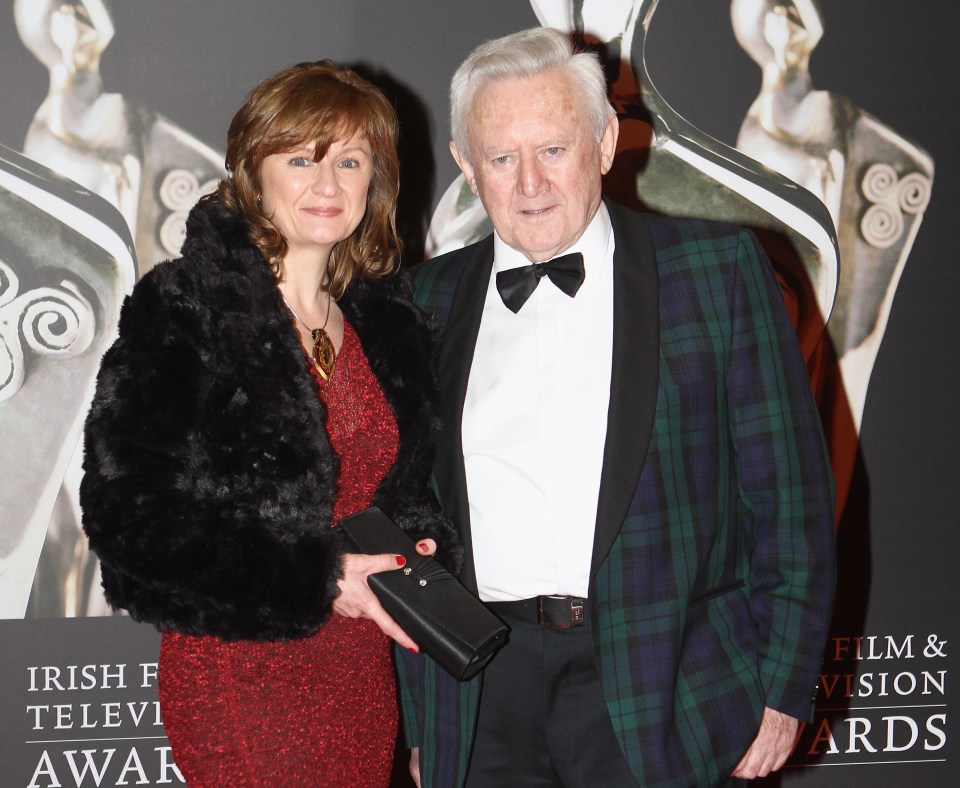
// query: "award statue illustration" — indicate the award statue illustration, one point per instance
point(151, 171)
point(66, 261)
point(875, 183)
point(139, 161)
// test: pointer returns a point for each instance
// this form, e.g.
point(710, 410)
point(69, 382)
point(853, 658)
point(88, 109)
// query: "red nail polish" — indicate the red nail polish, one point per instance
point(401, 560)
point(421, 545)
point(414, 650)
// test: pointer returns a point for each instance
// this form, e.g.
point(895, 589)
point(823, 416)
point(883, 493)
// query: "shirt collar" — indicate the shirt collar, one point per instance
point(592, 244)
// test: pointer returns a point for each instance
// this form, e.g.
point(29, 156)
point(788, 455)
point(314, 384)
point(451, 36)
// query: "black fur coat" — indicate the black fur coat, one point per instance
point(208, 478)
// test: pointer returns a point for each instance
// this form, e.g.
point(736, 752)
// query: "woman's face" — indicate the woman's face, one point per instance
point(317, 204)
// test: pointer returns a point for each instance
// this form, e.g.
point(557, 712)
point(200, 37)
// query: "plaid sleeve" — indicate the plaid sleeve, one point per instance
point(786, 486)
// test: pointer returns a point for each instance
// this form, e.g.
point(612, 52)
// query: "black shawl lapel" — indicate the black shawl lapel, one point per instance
point(635, 375)
point(456, 358)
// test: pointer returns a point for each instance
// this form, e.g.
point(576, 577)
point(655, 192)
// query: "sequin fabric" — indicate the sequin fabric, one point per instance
point(318, 711)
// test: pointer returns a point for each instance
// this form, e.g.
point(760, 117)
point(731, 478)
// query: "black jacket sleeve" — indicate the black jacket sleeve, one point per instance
point(209, 512)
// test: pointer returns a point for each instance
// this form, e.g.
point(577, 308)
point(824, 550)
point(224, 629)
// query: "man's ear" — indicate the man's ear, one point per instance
point(465, 166)
point(608, 144)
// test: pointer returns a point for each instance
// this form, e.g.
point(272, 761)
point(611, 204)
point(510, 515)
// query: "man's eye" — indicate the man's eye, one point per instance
point(554, 151)
point(501, 160)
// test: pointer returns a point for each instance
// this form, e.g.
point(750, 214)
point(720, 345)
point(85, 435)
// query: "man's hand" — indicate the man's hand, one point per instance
point(773, 745)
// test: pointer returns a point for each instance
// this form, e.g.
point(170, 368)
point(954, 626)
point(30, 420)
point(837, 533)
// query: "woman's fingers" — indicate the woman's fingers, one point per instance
point(426, 547)
point(357, 600)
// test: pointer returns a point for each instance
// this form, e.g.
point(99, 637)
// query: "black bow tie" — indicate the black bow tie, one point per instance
point(516, 284)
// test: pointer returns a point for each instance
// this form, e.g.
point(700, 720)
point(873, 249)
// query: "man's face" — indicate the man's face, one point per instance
point(534, 163)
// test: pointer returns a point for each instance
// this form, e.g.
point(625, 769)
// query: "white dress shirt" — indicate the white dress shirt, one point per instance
point(534, 426)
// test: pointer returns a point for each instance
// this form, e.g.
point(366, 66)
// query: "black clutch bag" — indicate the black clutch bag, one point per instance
point(430, 605)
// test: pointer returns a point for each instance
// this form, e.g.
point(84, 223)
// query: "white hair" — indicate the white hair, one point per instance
point(526, 54)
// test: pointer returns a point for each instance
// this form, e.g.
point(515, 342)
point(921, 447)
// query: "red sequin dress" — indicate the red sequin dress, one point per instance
point(317, 711)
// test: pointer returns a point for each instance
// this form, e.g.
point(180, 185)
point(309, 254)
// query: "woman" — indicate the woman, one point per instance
point(273, 380)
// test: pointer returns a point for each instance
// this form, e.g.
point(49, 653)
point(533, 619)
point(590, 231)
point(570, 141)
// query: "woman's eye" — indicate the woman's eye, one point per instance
point(300, 161)
point(349, 164)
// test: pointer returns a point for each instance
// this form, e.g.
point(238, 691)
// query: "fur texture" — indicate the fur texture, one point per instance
point(209, 481)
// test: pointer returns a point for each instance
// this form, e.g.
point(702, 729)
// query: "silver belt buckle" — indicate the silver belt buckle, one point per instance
point(576, 611)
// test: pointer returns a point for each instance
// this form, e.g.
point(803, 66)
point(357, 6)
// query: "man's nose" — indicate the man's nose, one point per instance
point(531, 180)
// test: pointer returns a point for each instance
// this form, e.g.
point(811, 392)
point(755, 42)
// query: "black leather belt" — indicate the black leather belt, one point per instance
point(550, 611)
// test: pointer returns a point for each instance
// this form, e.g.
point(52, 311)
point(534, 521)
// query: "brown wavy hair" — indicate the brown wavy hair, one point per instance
point(320, 102)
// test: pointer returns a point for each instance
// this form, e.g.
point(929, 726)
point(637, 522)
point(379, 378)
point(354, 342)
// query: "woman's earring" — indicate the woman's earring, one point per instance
point(260, 201)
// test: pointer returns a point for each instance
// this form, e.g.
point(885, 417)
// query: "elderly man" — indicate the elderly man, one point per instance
point(632, 455)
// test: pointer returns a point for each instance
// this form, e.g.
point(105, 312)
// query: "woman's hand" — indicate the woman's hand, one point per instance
point(415, 765)
point(357, 600)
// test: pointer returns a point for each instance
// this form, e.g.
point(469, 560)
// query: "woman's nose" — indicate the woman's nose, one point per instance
point(325, 180)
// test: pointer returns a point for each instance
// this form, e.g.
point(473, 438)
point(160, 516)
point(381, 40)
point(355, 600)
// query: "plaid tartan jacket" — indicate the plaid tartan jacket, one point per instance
point(713, 564)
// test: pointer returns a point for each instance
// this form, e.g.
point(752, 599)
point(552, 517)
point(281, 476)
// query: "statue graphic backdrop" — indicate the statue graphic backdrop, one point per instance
point(116, 97)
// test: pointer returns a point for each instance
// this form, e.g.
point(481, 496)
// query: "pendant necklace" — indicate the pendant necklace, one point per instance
point(324, 356)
